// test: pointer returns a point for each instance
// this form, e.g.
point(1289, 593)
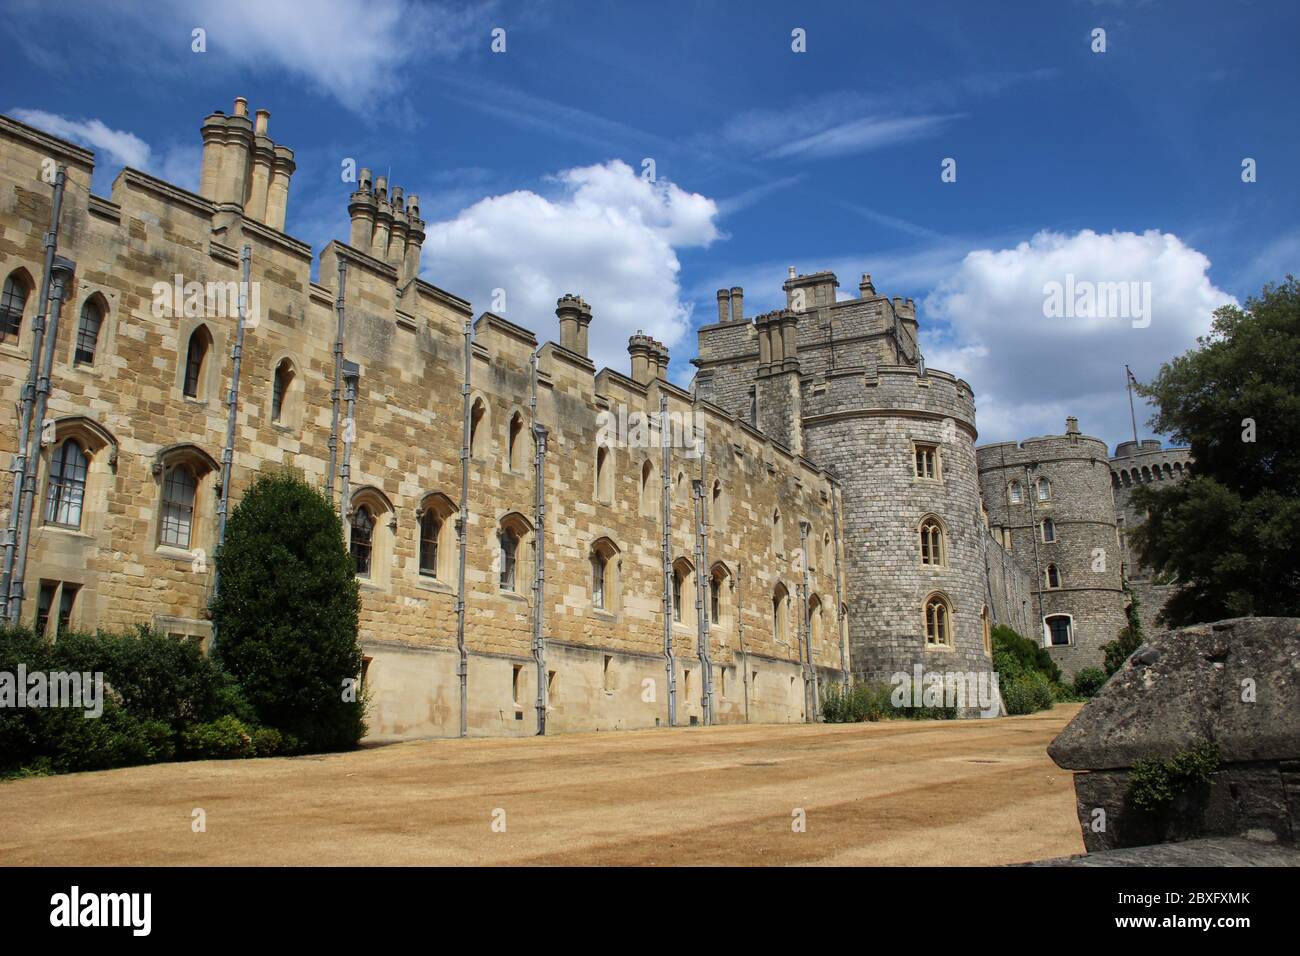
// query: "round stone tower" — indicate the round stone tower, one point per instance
point(902, 442)
point(1051, 498)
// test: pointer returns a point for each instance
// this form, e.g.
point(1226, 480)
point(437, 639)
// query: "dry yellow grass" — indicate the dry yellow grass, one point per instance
point(896, 793)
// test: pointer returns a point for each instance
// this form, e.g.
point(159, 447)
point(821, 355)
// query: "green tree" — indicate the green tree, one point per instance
point(286, 616)
point(1229, 531)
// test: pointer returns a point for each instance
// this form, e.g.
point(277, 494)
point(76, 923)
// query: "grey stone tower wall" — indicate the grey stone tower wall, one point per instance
point(1083, 510)
point(727, 360)
point(1010, 589)
point(1141, 463)
point(861, 427)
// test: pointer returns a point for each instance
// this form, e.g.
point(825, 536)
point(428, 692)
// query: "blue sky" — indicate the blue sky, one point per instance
point(1115, 166)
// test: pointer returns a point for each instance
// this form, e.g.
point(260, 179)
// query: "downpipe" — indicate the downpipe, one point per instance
point(539, 575)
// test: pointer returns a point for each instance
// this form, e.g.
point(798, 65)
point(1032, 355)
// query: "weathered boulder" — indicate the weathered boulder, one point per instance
point(1234, 684)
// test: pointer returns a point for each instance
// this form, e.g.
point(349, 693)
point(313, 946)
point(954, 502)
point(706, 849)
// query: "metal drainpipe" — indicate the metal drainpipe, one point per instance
point(462, 532)
point(62, 273)
point(232, 403)
point(539, 577)
point(351, 373)
point(701, 579)
point(18, 465)
point(807, 632)
point(839, 593)
point(340, 308)
point(740, 631)
point(670, 663)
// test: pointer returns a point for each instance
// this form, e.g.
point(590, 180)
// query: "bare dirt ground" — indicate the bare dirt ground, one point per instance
point(897, 793)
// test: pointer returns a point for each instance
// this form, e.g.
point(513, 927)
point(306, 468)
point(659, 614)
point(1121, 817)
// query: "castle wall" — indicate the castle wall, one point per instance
point(1086, 552)
point(407, 338)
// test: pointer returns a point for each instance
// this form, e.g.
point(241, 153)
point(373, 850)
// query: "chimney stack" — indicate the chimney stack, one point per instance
point(389, 228)
point(724, 298)
point(574, 315)
point(737, 304)
point(243, 167)
point(640, 347)
point(866, 288)
point(1072, 425)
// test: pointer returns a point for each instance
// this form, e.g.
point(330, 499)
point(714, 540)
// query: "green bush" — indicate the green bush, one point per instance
point(1026, 692)
point(1153, 784)
point(286, 617)
point(1089, 680)
point(871, 701)
point(220, 739)
point(1013, 654)
point(268, 742)
point(155, 687)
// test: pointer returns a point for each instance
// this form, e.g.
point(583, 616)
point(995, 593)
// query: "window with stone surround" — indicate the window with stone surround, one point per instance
point(1014, 493)
point(650, 496)
point(1044, 489)
point(780, 613)
point(683, 584)
point(1059, 630)
point(1053, 576)
point(933, 546)
point(1049, 530)
point(437, 537)
point(938, 621)
point(927, 461)
point(196, 359)
point(513, 534)
point(515, 446)
point(604, 475)
point(92, 320)
point(65, 492)
point(13, 303)
point(604, 558)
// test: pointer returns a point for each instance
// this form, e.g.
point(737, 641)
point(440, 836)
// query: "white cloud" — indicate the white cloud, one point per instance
point(114, 148)
point(116, 145)
point(986, 323)
point(608, 235)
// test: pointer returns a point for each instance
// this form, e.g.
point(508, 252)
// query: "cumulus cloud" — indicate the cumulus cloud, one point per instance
point(606, 234)
point(117, 147)
point(986, 322)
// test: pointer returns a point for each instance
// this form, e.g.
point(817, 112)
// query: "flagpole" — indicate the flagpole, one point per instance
point(1128, 385)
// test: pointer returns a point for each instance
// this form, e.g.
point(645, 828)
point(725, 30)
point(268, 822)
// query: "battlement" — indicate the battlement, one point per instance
point(901, 390)
point(1071, 445)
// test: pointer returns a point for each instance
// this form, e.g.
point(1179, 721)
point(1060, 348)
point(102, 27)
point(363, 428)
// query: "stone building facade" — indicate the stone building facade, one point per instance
point(838, 522)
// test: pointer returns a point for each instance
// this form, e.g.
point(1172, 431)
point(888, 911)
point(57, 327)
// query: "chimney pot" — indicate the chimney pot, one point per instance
point(263, 122)
point(241, 106)
point(737, 304)
point(724, 299)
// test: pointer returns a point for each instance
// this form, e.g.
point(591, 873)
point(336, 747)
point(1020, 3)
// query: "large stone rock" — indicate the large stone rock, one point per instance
point(1235, 683)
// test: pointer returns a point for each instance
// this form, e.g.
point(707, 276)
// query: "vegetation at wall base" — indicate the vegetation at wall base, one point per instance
point(1155, 784)
point(1130, 637)
point(1029, 678)
point(287, 614)
point(871, 701)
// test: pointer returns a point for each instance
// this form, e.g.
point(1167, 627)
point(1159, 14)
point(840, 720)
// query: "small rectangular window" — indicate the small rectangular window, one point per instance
point(515, 683)
point(927, 461)
point(44, 603)
point(67, 598)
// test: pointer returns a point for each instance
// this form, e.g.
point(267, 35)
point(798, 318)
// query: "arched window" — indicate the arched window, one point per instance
point(1053, 576)
point(1013, 492)
point(938, 621)
point(932, 542)
point(1060, 630)
point(437, 530)
point(430, 530)
point(66, 490)
point(362, 540)
point(648, 497)
point(683, 582)
point(92, 318)
point(177, 520)
point(477, 434)
point(280, 385)
point(604, 475)
point(511, 534)
point(516, 442)
point(814, 621)
point(719, 504)
point(604, 575)
point(1049, 530)
point(13, 302)
point(719, 595)
point(778, 533)
point(828, 552)
point(196, 360)
point(1044, 489)
point(780, 612)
